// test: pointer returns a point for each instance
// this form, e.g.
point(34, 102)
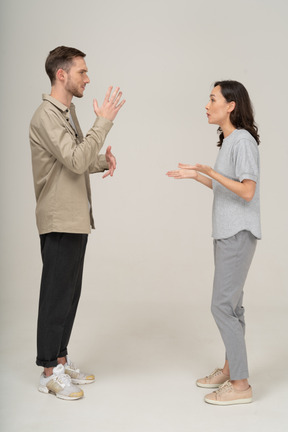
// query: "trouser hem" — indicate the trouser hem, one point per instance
point(51, 363)
point(241, 376)
point(46, 364)
point(63, 353)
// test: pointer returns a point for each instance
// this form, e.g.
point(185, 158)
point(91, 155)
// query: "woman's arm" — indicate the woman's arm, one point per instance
point(186, 172)
point(244, 189)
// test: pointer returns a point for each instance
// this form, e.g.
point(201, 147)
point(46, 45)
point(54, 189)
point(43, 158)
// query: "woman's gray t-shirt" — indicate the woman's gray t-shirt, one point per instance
point(238, 159)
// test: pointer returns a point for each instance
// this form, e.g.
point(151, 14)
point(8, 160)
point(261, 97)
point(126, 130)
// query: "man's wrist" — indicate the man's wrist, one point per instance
point(104, 123)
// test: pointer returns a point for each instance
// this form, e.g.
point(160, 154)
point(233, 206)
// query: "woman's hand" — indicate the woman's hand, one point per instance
point(182, 174)
point(185, 172)
point(204, 169)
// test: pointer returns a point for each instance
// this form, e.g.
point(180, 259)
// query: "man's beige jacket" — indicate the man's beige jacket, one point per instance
point(62, 160)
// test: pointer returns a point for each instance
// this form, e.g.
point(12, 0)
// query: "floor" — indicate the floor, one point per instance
point(146, 365)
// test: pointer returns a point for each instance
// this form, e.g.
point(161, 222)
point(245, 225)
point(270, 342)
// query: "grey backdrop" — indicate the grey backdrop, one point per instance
point(149, 265)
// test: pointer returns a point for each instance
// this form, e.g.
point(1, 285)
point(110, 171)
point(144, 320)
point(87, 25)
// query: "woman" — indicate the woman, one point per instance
point(236, 228)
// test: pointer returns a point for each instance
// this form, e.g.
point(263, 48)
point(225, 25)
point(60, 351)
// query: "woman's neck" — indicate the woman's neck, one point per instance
point(227, 129)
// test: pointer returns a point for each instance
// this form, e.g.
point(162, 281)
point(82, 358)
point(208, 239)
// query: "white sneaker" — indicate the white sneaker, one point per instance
point(77, 377)
point(60, 384)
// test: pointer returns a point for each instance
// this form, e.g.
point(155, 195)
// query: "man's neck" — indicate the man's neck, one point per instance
point(62, 96)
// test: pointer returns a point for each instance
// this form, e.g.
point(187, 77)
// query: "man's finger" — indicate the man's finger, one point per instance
point(106, 174)
point(117, 98)
point(114, 94)
point(112, 163)
point(108, 93)
point(95, 105)
point(120, 105)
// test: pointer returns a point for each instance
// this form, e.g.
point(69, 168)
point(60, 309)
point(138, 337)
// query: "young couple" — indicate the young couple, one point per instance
point(63, 159)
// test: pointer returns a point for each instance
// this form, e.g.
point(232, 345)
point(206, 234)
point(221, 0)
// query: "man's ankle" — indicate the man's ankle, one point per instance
point(48, 371)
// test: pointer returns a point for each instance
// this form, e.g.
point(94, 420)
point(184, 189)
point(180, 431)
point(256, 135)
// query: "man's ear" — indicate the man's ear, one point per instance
point(60, 74)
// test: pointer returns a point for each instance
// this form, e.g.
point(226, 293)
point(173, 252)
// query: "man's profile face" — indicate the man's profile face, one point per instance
point(77, 78)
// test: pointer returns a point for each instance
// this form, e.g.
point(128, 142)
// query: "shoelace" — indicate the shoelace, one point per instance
point(225, 387)
point(215, 372)
point(73, 366)
point(63, 380)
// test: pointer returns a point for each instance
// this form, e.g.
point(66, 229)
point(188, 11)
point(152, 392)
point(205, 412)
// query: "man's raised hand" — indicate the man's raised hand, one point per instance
point(111, 104)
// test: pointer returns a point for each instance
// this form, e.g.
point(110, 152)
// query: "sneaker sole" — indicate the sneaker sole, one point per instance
point(208, 385)
point(232, 402)
point(79, 381)
point(69, 397)
point(44, 389)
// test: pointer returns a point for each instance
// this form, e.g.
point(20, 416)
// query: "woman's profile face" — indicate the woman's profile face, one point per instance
point(218, 109)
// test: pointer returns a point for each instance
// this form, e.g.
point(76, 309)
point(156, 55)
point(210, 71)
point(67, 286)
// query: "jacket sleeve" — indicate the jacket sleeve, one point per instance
point(99, 165)
point(52, 133)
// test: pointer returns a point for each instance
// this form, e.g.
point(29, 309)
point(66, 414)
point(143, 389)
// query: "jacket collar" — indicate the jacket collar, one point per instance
point(58, 104)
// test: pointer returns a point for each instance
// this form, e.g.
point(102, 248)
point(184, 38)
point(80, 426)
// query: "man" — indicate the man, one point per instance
point(62, 160)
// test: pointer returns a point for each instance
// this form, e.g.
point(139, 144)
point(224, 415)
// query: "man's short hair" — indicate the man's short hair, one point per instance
point(61, 58)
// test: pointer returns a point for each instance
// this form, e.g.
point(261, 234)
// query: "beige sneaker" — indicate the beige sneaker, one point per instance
point(228, 395)
point(77, 377)
point(214, 380)
point(60, 384)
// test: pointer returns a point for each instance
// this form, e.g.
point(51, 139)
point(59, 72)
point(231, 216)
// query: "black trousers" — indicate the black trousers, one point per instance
point(63, 260)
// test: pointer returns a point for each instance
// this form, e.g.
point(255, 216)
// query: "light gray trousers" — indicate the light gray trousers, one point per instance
point(232, 257)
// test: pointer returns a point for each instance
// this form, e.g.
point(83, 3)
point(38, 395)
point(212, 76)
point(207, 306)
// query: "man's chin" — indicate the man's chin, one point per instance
point(78, 95)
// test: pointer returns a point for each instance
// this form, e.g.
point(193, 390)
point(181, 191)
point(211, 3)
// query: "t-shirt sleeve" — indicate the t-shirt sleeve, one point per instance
point(246, 160)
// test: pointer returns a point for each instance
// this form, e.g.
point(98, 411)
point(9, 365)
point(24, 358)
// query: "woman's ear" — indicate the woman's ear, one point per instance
point(231, 106)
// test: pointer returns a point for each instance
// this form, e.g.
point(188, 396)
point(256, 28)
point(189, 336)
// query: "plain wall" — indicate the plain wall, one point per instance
point(149, 264)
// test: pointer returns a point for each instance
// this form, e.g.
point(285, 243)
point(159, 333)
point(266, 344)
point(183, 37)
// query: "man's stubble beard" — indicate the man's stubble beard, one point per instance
point(73, 90)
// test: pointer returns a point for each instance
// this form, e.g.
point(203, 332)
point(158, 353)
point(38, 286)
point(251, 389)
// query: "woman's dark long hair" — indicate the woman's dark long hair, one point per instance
point(242, 117)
